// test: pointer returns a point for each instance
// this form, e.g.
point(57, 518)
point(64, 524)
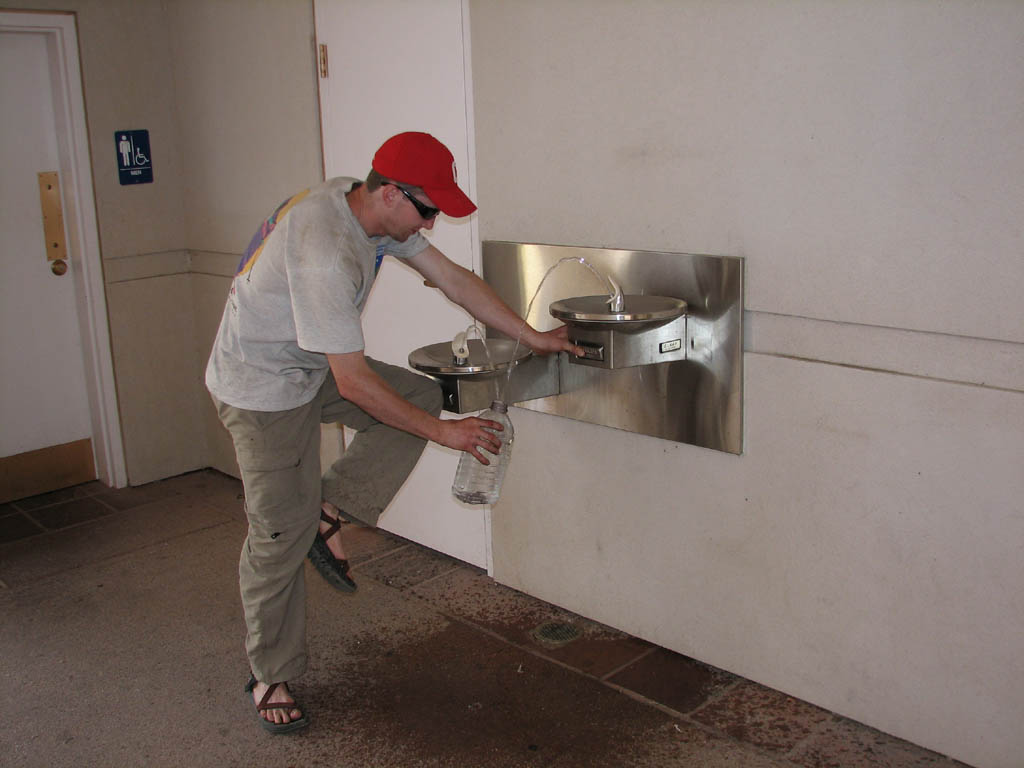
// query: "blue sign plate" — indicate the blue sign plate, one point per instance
point(134, 161)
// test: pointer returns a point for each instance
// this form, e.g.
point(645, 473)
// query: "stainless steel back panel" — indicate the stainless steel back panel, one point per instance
point(698, 400)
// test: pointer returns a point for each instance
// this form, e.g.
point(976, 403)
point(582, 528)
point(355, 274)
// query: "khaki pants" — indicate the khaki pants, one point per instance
point(279, 457)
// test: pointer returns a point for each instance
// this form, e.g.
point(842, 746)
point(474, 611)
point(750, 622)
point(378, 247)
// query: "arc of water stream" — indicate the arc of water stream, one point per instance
point(614, 295)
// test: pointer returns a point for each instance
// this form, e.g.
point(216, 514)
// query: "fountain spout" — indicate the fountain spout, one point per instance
point(460, 348)
point(615, 302)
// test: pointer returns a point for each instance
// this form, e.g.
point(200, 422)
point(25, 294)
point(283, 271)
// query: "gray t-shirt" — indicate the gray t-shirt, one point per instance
point(297, 296)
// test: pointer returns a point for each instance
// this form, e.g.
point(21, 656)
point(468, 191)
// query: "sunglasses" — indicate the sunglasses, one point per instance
point(425, 211)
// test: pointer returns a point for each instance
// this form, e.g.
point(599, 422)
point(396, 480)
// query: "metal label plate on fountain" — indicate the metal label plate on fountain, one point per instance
point(637, 309)
point(438, 358)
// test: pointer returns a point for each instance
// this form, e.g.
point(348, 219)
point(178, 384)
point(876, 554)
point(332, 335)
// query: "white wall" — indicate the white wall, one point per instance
point(867, 157)
point(867, 160)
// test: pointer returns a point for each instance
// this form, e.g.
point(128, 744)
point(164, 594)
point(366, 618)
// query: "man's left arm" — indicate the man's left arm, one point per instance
point(471, 293)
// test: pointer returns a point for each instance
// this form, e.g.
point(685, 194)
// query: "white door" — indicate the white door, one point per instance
point(395, 66)
point(46, 433)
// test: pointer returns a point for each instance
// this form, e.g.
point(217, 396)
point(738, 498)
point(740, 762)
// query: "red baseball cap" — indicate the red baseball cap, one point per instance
point(420, 160)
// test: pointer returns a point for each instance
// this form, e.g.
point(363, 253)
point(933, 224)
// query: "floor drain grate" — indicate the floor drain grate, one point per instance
point(555, 633)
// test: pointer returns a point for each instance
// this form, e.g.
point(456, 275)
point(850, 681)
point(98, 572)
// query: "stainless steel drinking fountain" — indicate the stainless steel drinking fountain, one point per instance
point(665, 359)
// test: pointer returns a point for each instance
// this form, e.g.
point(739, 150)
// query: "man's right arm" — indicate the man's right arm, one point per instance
point(359, 384)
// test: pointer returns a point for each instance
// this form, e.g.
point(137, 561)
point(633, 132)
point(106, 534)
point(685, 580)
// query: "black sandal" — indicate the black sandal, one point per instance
point(263, 706)
point(335, 571)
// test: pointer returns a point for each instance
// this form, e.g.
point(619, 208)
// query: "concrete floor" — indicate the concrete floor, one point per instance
point(121, 645)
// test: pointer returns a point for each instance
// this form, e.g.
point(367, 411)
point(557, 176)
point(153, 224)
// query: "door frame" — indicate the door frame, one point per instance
point(82, 232)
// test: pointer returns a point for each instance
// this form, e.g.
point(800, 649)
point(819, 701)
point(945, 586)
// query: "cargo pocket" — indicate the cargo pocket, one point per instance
point(280, 489)
point(268, 441)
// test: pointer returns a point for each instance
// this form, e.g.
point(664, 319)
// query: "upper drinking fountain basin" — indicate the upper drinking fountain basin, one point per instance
point(638, 312)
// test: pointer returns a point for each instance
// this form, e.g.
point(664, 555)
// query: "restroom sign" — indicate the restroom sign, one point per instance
point(134, 161)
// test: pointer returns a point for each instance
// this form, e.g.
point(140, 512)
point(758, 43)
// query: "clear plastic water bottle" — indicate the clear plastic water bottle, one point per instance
point(477, 483)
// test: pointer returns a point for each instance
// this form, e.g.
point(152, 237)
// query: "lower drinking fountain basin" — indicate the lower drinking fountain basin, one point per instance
point(438, 360)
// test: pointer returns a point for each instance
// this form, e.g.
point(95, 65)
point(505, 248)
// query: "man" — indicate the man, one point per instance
point(289, 356)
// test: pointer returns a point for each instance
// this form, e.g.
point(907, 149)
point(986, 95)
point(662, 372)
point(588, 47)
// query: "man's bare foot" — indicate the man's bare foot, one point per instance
point(279, 695)
point(277, 710)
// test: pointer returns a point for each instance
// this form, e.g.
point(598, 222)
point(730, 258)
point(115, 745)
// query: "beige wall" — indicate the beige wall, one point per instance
point(233, 131)
point(247, 112)
point(866, 159)
point(250, 131)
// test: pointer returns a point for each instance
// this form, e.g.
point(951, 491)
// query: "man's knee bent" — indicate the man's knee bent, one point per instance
point(428, 396)
point(422, 391)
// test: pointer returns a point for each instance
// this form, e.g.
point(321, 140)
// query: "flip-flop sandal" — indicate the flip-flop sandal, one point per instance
point(335, 571)
point(263, 706)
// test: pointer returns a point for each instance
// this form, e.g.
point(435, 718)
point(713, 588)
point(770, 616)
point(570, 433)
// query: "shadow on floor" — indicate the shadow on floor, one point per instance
point(121, 645)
